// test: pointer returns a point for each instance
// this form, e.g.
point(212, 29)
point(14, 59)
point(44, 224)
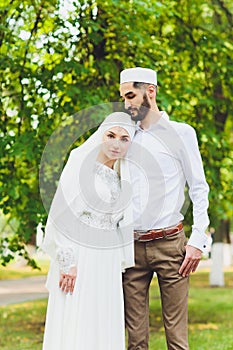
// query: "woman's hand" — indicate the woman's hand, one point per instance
point(67, 280)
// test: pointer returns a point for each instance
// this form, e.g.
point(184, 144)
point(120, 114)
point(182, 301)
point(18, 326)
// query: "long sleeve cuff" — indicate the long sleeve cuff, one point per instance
point(66, 258)
point(198, 240)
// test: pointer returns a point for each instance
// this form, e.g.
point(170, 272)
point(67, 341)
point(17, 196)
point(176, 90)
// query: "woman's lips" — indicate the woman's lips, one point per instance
point(115, 152)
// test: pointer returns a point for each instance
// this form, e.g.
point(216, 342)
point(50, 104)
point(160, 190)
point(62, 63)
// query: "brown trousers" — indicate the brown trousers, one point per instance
point(163, 256)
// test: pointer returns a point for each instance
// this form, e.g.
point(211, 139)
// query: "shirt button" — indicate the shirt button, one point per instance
point(204, 246)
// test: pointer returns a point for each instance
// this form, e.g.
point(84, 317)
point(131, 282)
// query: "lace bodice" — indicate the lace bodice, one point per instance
point(101, 215)
point(110, 178)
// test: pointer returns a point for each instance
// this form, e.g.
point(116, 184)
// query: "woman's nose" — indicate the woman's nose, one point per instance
point(116, 143)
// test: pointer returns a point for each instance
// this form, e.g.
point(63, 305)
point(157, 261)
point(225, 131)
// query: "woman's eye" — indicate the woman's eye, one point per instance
point(110, 136)
point(125, 139)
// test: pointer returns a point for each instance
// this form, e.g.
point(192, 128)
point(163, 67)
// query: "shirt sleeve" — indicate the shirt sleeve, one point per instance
point(198, 187)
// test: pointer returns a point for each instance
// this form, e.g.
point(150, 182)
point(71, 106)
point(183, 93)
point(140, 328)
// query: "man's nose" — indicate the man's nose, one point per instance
point(127, 104)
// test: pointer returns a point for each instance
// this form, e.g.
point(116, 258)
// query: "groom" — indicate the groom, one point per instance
point(164, 156)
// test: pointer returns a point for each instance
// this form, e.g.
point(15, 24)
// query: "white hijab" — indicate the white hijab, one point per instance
point(76, 190)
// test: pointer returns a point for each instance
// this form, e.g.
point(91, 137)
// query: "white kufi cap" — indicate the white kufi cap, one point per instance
point(138, 74)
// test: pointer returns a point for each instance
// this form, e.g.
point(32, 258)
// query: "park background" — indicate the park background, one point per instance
point(60, 57)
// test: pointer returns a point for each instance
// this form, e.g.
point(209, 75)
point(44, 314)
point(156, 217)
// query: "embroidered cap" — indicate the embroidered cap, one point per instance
point(138, 74)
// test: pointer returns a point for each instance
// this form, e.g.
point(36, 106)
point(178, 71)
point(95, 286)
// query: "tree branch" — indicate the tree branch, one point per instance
point(4, 13)
point(228, 14)
point(34, 29)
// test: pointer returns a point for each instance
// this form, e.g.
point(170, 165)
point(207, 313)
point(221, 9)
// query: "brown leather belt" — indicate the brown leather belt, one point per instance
point(151, 235)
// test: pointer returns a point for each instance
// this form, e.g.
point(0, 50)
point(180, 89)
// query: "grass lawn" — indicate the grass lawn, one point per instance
point(210, 315)
point(210, 319)
point(16, 271)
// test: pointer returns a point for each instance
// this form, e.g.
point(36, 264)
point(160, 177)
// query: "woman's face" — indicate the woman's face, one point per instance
point(116, 142)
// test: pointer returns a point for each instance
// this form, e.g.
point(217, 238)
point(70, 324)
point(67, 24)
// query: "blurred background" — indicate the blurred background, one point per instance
point(59, 57)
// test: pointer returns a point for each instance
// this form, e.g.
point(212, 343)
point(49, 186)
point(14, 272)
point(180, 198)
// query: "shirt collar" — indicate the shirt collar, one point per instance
point(162, 122)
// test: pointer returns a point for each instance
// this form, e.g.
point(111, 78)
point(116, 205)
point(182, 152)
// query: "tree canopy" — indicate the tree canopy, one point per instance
point(60, 56)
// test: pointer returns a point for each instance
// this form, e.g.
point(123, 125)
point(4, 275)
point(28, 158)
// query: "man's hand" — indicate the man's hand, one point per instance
point(67, 280)
point(191, 261)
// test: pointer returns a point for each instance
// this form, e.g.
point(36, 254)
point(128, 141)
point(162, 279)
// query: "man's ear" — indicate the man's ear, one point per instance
point(151, 90)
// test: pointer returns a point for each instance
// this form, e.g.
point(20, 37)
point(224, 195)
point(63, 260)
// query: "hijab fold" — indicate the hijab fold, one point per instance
point(76, 191)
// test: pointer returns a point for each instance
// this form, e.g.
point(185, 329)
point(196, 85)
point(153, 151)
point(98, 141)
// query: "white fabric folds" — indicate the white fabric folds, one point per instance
point(77, 192)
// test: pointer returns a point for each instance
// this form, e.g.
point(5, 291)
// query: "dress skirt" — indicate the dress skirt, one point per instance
point(92, 318)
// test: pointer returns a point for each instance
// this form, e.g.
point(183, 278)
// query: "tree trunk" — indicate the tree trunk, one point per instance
point(222, 232)
point(221, 255)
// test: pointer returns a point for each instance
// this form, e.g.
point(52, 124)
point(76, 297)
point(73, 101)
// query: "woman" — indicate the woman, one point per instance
point(90, 240)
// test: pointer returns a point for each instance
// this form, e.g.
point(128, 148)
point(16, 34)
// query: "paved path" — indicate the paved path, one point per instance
point(31, 288)
point(20, 290)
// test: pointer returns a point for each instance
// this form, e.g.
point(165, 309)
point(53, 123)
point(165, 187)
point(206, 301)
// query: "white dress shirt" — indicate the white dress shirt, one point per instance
point(162, 159)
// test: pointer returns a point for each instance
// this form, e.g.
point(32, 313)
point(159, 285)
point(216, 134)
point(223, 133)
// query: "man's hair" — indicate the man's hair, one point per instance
point(139, 85)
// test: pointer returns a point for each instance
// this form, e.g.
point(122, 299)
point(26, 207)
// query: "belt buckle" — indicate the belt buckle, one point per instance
point(141, 232)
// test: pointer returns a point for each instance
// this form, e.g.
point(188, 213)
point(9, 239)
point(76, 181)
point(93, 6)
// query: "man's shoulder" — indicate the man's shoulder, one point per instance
point(183, 129)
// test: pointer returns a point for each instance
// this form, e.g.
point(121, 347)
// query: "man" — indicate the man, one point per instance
point(164, 156)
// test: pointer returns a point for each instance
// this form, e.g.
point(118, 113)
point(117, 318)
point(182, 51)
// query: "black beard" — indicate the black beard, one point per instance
point(142, 110)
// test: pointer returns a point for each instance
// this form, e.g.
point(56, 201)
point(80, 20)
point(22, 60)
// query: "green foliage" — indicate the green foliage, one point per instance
point(58, 57)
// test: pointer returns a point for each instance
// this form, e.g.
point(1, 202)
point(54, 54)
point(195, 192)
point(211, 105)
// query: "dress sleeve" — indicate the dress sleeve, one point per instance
point(60, 248)
point(66, 258)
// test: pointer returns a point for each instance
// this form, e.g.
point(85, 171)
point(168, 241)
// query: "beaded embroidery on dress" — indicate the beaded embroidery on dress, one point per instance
point(107, 185)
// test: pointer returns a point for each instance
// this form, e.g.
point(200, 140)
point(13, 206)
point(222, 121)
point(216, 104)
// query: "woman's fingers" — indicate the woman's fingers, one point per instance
point(67, 282)
point(61, 280)
point(63, 284)
point(73, 284)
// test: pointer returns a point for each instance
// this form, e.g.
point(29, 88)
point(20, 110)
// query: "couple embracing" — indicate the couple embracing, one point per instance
point(115, 220)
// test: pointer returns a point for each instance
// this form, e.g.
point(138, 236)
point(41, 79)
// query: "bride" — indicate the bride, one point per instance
point(89, 237)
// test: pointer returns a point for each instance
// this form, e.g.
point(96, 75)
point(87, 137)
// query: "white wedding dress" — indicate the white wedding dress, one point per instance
point(92, 318)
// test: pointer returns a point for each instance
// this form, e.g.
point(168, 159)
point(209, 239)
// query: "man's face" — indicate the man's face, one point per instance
point(136, 101)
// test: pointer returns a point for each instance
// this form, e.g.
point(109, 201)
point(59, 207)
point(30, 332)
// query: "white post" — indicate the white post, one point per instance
point(227, 258)
point(216, 272)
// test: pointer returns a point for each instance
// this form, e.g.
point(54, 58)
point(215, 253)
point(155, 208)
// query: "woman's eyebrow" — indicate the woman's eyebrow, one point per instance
point(112, 133)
